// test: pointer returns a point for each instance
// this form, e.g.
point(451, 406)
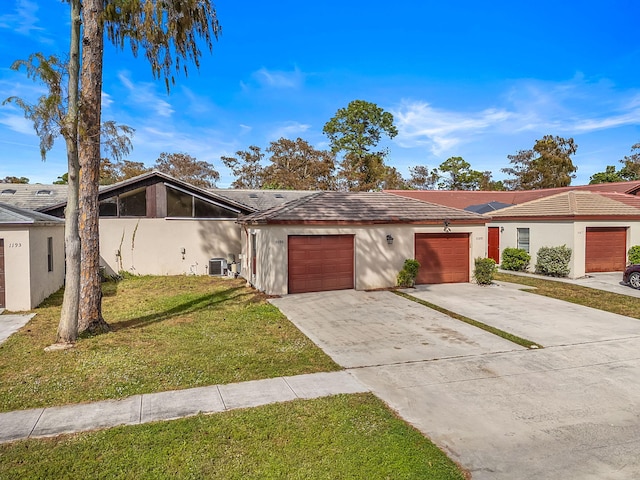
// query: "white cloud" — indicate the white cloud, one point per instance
point(143, 94)
point(288, 130)
point(279, 78)
point(421, 124)
point(18, 124)
point(24, 21)
point(565, 108)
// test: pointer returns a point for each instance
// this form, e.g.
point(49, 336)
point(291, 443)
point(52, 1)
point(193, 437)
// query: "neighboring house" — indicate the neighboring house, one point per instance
point(340, 240)
point(154, 224)
point(31, 257)
point(464, 199)
point(598, 227)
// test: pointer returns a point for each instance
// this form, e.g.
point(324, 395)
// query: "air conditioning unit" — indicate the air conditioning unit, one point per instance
point(218, 266)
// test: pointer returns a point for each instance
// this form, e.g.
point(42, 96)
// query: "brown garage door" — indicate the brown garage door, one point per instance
point(2, 297)
point(443, 257)
point(606, 249)
point(318, 263)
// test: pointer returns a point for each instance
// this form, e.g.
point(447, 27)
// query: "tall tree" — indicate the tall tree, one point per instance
point(90, 315)
point(547, 165)
point(187, 168)
point(488, 184)
point(296, 165)
point(10, 179)
point(631, 168)
point(608, 176)
point(356, 131)
point(393, 180)
point(460, 175)
point(421, 178)
point(169, 34)
point(246, 167)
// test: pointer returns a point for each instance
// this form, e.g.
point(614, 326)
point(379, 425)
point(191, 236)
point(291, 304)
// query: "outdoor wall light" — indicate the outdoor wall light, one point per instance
point(446, 225)
point(501, 229)
point(389, 239)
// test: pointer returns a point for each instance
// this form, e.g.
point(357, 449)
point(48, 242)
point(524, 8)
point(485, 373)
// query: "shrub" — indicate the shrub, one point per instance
point(515, 259)
point(634, 254)
point(407, 276)
point(553, 261)
point(484, 271)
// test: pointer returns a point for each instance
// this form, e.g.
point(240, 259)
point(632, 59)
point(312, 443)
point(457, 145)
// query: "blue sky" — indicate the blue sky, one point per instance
point(480, 80)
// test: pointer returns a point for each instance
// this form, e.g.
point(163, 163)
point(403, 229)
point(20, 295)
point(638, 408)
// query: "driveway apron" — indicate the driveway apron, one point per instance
point(571, 410)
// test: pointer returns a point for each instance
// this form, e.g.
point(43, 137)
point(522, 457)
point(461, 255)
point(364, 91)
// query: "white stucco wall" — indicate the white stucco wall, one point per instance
point(153, 246)
point(27, 279)
point(554, 234)
point(376, 262)
point(43, 282)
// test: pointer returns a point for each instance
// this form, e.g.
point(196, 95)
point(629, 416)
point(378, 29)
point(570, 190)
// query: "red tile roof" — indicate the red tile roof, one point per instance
point(462, 199)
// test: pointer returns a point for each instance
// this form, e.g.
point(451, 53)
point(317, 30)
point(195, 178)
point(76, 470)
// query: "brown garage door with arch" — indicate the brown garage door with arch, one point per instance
point(606, 249)
point(443, 257)
point(2, 295)
point(318, 263)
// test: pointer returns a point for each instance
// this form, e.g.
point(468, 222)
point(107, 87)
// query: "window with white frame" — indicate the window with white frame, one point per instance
point(50, 254)
point(523, 239)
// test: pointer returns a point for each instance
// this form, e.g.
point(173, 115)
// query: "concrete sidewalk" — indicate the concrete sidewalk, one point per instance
point(11, 323)
point(52, 421)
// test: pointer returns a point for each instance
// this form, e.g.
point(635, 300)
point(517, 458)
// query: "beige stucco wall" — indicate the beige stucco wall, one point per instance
point(16, 268)
point(153, 246)
point(376, 262)
point(553, 234)
point(27, 279)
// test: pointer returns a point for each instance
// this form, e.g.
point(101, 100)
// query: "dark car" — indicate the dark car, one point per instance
point(632, 275)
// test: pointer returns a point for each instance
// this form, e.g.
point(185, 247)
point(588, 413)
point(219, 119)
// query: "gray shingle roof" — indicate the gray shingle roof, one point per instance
point(15, 215)
point(258, 200)
point(360, 207)
point(32, 196)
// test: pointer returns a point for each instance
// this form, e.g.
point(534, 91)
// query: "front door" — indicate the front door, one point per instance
point(494, 244)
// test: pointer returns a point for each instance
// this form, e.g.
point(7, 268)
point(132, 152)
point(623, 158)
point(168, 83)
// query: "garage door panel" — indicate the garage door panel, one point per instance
point(320, 263)
point(444, 258)
point(606, 249)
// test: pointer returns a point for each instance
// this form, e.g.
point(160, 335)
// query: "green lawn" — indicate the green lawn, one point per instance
point(341, 437)
point(168, 333)
point(589, 297)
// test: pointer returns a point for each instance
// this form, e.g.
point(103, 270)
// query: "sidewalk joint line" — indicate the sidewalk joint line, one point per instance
point(290, 387)
point(224, 405)
point(36, 423)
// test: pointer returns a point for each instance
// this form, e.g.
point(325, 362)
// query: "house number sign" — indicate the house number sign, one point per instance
point(14, 245)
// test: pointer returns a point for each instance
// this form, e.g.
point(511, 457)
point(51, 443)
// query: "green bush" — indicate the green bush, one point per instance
point(484, 271)
point(515, 259)
point(634, 254)
point(407, 276)
point(553, 261)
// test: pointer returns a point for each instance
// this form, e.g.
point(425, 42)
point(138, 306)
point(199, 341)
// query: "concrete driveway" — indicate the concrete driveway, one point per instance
point(571, 410)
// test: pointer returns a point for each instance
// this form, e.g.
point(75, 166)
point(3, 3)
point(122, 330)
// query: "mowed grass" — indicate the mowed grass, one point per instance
point(168, 333)
point(346, 436)
point(589, 297)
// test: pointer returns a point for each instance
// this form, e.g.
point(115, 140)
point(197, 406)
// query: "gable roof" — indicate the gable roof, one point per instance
point(11, 215)
point(257, 200)
point(150, 178)
point(465, 198)
point(360, 208)
point(575, 204)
